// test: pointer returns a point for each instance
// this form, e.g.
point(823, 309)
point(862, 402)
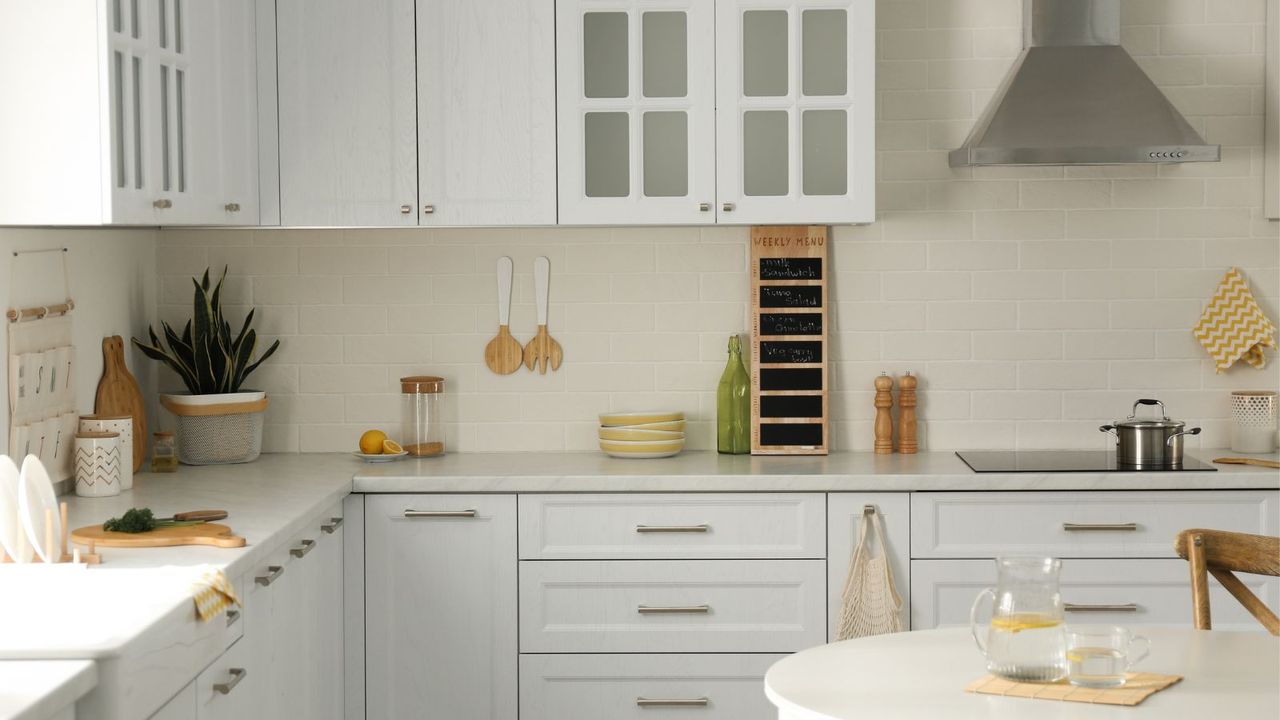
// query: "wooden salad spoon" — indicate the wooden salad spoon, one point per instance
point(502, 354)
point(542, 348)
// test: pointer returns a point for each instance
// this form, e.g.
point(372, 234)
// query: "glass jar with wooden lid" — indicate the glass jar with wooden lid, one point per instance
point(421, 408)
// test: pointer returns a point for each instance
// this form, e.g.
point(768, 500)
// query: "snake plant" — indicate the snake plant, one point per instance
point(208, 358)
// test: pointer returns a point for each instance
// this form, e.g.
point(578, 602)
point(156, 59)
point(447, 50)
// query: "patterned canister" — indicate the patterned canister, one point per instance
point(98, 464)
point(1254, 413)
point(122, 425)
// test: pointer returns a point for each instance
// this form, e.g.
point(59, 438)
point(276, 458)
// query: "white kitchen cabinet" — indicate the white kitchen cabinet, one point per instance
point(440, 613)
point(486, 112)
point(795, 111)
point(348, 129)
point(845, 514)
point(636, 111)
point(180, 707)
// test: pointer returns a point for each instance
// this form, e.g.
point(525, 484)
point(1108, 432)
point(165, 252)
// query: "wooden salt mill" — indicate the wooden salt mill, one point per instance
point(907, 444)
point(884, 420)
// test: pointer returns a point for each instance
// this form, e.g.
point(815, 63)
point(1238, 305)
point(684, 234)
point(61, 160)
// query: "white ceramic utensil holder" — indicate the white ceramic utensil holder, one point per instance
point(98, 464)
point(1254, 426)
point(122, 425)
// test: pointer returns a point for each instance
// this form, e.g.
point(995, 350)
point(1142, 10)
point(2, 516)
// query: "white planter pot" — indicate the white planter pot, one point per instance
point(218, 429)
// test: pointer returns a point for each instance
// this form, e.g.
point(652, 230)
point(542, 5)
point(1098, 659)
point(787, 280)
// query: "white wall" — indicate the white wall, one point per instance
point(1034, 303)
point(113, 282)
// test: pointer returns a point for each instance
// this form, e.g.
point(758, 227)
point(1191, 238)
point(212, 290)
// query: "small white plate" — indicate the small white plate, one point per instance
point(380, 457)
point(10, 526)
point(643, 455)
point(35, 496)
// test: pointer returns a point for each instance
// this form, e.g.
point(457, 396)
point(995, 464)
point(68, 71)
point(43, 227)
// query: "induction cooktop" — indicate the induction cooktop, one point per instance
point(1012, 461)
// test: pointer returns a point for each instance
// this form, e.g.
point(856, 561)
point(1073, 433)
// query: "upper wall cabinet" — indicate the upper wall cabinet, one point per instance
point(738, 111)
point(486, 112)
point(348, 134)
point(129, 112)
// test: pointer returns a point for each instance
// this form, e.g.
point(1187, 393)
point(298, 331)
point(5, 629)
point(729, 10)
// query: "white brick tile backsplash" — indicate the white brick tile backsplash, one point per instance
point(1034, 303)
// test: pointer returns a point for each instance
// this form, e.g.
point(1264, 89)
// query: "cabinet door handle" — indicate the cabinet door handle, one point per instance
point(673, 528)
point(428, 209)
point(162, 204)
point(673, 702)
point(439, 513)
point(237, 674)
point(704, 207)
point(303, 548)
point(232, 617)
point(273, 573)
point(728, 207)
point(231, 207)
point(674, 610)
point(334, 524)
point(1099, 527)
point(406, 209)
point(1101, 607)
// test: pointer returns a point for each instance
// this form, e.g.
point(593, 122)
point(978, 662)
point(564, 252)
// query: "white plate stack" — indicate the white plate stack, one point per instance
point(650, 434)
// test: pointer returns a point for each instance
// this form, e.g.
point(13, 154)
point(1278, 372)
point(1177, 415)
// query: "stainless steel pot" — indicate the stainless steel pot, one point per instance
point(1149, 442)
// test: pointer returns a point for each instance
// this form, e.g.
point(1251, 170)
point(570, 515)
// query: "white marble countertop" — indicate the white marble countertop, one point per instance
point(702, 471)
point(37, 690)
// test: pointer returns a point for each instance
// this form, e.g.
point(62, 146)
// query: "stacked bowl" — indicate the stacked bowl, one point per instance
point(651, 434)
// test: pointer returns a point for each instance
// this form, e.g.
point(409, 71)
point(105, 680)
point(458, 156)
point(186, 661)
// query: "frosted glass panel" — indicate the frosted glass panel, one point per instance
point(117, 92)
point(824, 52)
point(666, 154)
point(136, 94)
point(764, 53)
point(764, 152)
point(177, 26)
point(607, 146)
point(825, 154)
point(604, 54)
point(116, 23)
point(666, 54)
point(166, 181)
point(182, 127)
point(163, 17)
point(134, 21)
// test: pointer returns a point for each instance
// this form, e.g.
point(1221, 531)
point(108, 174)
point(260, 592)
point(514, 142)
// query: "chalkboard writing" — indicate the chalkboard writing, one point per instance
point(790, 324)
point(791, 406)
point(798, 379)
point(783, 351)
point(776, 268)
point(791, 296)
point(809, 434)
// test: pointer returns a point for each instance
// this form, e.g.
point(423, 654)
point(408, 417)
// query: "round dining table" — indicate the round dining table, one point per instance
point(924, 674)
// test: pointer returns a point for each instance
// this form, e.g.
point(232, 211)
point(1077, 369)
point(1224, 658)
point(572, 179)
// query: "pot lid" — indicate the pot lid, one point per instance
point(1152, 423)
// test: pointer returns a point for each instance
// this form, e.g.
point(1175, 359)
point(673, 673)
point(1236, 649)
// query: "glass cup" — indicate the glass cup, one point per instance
point(1099, 656)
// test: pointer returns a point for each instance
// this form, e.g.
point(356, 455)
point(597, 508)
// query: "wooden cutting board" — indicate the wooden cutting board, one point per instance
point(206, 534)
point(118, 394)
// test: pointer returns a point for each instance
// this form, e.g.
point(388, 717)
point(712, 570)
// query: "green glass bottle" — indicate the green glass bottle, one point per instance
point(733, 413)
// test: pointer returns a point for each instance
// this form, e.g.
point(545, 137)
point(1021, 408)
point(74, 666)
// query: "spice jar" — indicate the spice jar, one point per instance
point(421, 401)
point(164, 452)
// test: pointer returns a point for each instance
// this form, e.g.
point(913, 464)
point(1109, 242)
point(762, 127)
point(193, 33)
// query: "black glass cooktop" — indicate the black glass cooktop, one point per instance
point(1009, 461)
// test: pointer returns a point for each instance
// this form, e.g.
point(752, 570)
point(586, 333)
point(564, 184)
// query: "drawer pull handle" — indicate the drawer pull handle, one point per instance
point(439, 513)
point(304, 547)
point(673, 528)
point(237, 674)
point(273, 572)
point(232, 617)
point(674, 610)
point(1101, 607)
point(1100, 527)
point(673, 702)
point(333, 525)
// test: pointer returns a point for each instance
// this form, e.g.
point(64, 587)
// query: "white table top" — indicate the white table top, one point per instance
point(38, 690)
point(923, 675)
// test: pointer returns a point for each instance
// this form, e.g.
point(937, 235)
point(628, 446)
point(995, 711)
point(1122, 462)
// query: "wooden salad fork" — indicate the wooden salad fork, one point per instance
point(542, 349)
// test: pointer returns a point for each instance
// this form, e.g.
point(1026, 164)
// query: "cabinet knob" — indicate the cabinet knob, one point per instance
point(704, 207)
point(162, 204)
point(406, 209)
point(231, 207)
point(428, 209)
point(728, 207)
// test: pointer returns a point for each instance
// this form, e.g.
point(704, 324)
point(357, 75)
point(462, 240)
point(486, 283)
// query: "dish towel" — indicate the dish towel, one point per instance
point(213, 594)
point(1233, 327)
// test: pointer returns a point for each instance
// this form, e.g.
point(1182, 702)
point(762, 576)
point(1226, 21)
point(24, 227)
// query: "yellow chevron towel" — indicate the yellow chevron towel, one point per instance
point(213, 594)
point(1233, 326)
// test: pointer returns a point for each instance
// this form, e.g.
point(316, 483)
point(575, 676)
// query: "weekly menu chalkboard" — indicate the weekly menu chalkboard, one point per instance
point(789, 340)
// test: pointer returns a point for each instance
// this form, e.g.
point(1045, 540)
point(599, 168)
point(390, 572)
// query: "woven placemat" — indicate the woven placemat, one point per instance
point(1137, 687)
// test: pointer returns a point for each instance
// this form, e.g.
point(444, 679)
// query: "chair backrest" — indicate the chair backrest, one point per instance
point(1221, 553)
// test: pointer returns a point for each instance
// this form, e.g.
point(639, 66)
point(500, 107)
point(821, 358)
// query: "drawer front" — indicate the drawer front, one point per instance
point(1112, 592)
point(623, 687)
point(1079, 524)
point(603, 527)
point(675, 606)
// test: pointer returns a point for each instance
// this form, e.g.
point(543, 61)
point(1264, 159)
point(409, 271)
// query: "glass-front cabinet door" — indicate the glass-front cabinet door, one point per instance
point(636, 102)
point(795, 111)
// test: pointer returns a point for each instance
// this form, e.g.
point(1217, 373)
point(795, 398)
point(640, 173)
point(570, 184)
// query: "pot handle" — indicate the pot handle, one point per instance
point(1192, 431)
point(1148, 401)
point(1110, 430)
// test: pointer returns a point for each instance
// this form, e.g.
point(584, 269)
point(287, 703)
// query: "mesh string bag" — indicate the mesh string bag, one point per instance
point(871, 604)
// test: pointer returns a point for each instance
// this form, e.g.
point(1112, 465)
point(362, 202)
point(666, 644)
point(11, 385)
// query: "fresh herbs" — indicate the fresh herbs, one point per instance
point(140, 520)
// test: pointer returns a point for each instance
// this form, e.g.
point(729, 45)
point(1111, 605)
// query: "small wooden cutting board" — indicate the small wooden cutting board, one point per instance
point(205, 534)
point(118, 394)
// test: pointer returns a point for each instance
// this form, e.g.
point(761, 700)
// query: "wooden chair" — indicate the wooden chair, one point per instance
point(1221, 553)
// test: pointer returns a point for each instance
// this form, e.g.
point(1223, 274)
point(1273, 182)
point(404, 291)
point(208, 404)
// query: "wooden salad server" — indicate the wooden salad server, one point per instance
point(502, 354)
point(542, 349)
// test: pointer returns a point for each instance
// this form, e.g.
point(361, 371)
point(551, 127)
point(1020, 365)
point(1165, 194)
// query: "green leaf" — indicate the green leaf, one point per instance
point(202, 339)
point(270, 351)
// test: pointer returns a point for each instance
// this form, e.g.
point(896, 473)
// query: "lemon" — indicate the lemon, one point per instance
point(391, 447)
point(372, 441)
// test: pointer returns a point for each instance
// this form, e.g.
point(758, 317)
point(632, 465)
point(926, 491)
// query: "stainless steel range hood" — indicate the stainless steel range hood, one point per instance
point(1075, 97)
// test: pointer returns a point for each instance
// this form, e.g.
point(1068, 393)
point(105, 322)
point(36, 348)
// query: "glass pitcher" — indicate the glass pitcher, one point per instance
point(1025, 640)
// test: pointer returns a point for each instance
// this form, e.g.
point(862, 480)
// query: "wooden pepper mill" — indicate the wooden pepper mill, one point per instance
point(907, 444)
point(884, 420)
